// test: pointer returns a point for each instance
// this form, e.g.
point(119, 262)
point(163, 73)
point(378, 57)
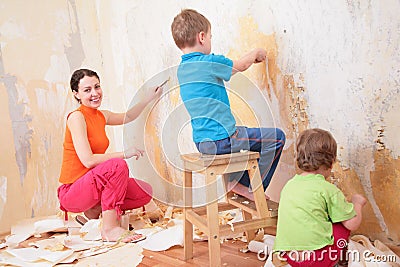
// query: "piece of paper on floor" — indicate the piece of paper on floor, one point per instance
point(29, 227)
point(13, 240)
point(127, 255)
point(48, 225)
point(35, 254)
point(164, 239)
point(266, 246)
point(77, 244)
point(91, 230)
point(93, 252)
point(70, 259)
point(54, 243)
point(83, 248)
point(8, 259)
point(25, 254)
point(38, 225)
point(55, 256)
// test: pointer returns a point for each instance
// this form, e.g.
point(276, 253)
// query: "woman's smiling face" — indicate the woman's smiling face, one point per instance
point(89, 92)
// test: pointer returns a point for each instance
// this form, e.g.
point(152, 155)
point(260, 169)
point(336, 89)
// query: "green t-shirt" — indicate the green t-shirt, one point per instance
point(307, 208)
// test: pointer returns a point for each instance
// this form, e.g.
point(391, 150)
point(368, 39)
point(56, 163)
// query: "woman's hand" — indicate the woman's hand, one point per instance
point(153, 93)
point(123, 118)
point(133, 152)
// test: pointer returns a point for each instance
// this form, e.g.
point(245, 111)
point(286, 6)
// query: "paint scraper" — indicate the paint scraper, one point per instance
point(269, 84)
point(167, 80)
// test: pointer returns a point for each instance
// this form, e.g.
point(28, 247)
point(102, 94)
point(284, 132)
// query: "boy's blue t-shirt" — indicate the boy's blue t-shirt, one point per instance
point(201, 78)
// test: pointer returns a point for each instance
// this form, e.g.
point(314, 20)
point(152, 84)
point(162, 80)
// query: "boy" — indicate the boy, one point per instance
point(314, 218)
point(201, 77)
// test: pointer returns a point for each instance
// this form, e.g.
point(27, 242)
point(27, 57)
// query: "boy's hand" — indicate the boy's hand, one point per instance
point(254, 56)
point(261, 55)
point(358, 199)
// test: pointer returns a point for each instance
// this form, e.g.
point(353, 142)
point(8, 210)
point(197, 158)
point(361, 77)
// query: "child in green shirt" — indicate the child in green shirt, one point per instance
point(314, 218)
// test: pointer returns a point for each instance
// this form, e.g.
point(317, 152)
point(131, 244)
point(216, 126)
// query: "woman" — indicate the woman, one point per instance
point(93, 181)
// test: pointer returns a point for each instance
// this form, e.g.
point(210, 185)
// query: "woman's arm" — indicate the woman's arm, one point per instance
point(134, 112)
point(77, 126)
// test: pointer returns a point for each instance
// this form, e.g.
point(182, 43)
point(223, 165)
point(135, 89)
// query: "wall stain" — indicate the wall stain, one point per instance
point(50, 102)
point(152, 137)
point(378, 141)
point(75, 53)
point(288, 94)
point(20, 121)
point(385, 182)
point(3, 194)
point(165, 162)
point(291, 95)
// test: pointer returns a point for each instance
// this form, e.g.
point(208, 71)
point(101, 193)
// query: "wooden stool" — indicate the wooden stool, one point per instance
point(211, 166)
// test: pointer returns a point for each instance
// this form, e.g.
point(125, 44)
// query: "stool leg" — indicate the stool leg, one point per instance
point(250, 234)
point(214, 249)
point(225, 181)
point(258, 190)
point(187, 226)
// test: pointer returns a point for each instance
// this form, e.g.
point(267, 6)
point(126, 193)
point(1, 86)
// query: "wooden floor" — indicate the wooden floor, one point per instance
point(230, 256)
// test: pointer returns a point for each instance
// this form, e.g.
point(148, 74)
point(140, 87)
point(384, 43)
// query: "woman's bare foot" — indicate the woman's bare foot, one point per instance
point(118, 234)
point(112, 231)
point(242, 190)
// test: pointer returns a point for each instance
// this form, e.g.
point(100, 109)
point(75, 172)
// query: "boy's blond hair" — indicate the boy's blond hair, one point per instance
point(186, 26)
point(315, 148)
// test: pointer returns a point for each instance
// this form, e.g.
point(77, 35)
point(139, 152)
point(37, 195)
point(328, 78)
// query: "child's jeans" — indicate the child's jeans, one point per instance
point(268, 142)
point(108, 184)
point(327, 256)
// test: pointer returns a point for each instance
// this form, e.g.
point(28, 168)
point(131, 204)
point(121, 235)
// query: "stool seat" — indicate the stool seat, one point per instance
point(256, 215)
point(205, 160)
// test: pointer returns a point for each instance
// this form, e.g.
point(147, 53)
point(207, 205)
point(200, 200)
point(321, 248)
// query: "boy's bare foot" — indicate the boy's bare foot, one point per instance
point(242, 190)
point(153, 212)
point(93, 213)
point(118, 234)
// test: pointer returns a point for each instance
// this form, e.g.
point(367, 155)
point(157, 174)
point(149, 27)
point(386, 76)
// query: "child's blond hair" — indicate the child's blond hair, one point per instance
point(186, 26)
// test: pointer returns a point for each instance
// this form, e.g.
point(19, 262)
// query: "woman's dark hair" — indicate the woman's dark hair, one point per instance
point(78, 75)
point(315, 148)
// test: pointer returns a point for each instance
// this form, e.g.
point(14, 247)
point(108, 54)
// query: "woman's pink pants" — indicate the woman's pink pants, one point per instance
point(109, 185)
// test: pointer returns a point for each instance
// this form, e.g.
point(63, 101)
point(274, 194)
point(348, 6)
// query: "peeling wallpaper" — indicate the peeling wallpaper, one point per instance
point(333, 65)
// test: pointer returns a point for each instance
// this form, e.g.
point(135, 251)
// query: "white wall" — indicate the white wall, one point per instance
point(332, 64)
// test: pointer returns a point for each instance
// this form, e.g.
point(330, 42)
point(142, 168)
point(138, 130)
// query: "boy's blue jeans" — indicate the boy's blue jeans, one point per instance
point(268, 142)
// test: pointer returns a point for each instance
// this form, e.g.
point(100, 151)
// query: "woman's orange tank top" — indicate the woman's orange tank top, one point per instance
point(72, 168)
